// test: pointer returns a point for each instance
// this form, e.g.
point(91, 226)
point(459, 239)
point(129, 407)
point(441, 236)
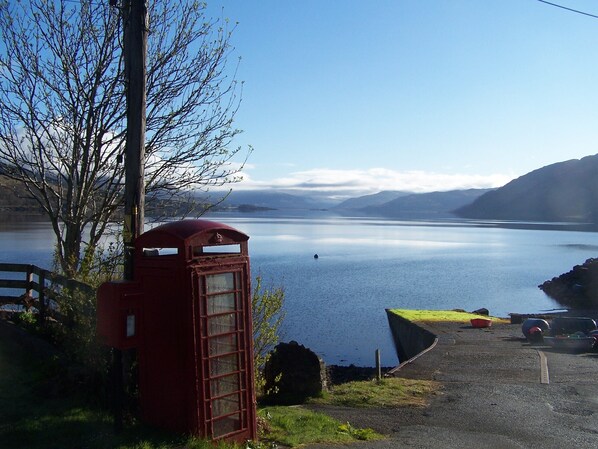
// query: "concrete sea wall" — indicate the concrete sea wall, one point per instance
point(410, 339)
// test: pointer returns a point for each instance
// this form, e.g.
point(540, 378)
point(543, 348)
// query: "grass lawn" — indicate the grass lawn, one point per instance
point(296, 426)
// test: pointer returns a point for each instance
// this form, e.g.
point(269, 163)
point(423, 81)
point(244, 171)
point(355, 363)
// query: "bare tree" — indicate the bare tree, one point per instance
point(62, 112)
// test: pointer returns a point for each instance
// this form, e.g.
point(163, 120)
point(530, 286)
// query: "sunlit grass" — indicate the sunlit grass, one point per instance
point(442, 316)
point(388, 392)
point(297, 426)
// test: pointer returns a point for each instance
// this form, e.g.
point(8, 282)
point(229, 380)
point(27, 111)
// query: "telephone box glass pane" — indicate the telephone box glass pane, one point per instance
point(222, 344)
point(226, 405)
point(226, 425)
point(224, 365)
point(221, 303)
point(225, 385)
point(224, 282)
point(222, 324)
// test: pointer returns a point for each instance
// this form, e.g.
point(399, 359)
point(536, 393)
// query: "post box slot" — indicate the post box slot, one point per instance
point(130, 325)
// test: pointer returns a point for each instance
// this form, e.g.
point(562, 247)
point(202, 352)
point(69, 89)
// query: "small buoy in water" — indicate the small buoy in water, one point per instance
point(316, 256)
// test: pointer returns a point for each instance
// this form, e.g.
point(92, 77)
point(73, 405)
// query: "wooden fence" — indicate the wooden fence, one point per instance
point(37, 288)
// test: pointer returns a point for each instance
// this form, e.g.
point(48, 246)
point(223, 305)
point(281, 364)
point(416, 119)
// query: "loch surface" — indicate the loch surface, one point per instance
point(335, 303)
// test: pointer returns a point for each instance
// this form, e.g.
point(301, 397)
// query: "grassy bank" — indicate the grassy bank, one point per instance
point(295, 426)
point(38, 411)
point(386, 393)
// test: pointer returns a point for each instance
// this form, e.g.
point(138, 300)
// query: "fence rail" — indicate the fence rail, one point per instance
point(40, 289)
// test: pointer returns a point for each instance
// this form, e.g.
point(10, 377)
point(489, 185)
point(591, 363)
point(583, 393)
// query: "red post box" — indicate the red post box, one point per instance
point(119, 314)
point(194, 329)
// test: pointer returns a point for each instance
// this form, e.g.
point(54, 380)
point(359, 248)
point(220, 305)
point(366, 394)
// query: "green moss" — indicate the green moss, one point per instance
point(441, 316)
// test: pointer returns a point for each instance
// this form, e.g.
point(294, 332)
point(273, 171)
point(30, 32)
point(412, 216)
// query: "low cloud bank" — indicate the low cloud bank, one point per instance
point(352, 183)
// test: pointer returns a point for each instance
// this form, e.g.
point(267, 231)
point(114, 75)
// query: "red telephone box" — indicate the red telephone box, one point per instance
point(192, 328)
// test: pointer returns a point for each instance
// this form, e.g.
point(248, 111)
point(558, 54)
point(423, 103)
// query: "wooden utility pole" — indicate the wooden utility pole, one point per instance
point(135, 25)
point(135, 43)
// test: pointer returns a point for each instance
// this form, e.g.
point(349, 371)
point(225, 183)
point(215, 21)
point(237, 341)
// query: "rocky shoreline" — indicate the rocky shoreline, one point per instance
point(576, 289)
point(338, 374)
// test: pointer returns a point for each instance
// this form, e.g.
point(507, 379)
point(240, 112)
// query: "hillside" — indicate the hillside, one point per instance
point(425, 205)
point(561, 192)
point(14, 199)
point(376, 199)
point(565, 192)
point(273, 199)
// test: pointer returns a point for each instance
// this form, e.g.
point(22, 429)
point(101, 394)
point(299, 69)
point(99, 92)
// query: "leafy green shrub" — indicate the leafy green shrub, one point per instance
point(268, 315)
point(27, 320)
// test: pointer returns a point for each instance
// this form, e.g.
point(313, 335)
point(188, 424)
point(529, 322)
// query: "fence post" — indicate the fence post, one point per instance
point(42, 296)
point(378, 367)
point(29, 279)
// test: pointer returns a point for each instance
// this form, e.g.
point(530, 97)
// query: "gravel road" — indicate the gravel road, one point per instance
point(492, 396)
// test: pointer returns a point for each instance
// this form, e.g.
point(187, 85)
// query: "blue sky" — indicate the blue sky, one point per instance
point(419, 95)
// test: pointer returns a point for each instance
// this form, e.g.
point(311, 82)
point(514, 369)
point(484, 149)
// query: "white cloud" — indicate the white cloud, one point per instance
point(373, 180)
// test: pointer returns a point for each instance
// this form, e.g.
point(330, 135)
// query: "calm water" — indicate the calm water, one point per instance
point(336, 304)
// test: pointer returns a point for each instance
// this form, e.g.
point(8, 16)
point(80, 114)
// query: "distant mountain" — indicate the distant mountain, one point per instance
point(275, 200)
point(565, 191)
point(391, 204)
point(426, 205)
point(376, 199)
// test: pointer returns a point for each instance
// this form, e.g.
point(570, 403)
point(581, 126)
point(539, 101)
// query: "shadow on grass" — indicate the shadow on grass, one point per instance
point(34, 415)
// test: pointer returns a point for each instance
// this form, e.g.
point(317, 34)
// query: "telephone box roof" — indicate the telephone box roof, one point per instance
point(187, 231)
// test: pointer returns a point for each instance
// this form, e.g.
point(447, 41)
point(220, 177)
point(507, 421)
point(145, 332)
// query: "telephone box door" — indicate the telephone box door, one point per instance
point(224, 328)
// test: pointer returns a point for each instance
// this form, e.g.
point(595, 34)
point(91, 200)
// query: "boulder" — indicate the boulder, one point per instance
point(292, 374)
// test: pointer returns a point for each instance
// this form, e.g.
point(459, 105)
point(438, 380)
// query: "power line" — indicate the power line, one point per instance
point(569, 9)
